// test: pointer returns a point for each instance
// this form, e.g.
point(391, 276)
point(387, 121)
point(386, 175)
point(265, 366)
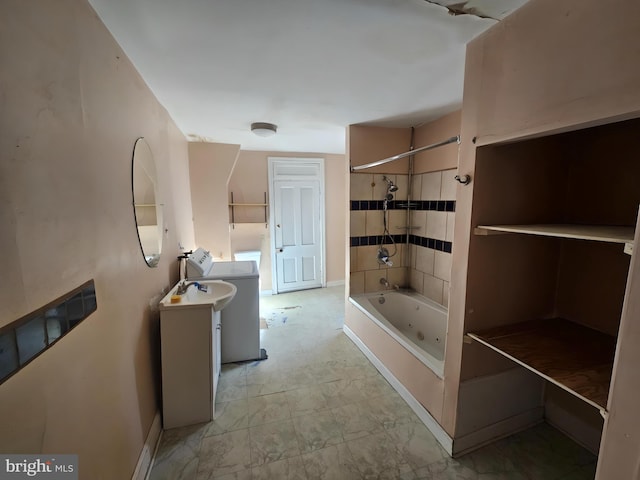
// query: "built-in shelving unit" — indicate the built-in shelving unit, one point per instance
point(598, 233)
point(553, 223)
point(574, 357)
point(233, 205)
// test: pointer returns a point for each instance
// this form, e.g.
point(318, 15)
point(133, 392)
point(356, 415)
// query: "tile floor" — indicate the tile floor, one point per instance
point(317, 409)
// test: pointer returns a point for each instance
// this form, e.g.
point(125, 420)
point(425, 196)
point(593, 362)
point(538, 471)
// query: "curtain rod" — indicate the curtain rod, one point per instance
point(455, 139)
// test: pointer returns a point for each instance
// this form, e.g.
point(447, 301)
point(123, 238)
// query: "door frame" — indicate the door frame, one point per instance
point(272, 177)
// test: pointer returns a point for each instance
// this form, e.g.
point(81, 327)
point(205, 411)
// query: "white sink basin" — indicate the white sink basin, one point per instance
point(218, 294)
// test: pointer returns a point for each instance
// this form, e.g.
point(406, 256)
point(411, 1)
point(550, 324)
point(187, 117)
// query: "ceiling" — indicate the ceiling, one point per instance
point(312, 67)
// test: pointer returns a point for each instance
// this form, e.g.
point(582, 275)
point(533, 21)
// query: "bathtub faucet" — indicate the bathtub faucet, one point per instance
point(383, 281)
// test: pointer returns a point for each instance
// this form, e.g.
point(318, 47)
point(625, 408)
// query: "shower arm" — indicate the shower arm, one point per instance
point(455, 139)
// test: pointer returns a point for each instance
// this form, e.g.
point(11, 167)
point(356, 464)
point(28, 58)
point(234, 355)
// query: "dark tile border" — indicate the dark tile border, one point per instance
point(432, 243)
point(432, 205)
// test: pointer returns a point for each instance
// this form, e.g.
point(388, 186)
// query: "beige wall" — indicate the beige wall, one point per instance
point(370, 144)
point(441, 158)
point(210, 167)
point(72, 107)
point(249, 181)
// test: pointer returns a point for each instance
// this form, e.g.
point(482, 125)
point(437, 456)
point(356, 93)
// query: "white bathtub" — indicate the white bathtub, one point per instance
point(414, 321)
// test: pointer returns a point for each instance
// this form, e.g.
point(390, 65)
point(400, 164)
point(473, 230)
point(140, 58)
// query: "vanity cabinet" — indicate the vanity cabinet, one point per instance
point(190, 355)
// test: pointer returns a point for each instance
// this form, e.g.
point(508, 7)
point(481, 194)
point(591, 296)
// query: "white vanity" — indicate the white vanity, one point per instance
point(190, 345)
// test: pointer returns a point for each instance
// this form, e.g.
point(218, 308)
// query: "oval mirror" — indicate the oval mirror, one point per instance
point(146, 209)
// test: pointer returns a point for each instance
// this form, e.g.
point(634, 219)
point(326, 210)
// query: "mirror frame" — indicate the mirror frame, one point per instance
point(137, 169)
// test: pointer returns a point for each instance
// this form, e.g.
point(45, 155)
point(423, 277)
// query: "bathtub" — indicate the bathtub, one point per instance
point(414, 321)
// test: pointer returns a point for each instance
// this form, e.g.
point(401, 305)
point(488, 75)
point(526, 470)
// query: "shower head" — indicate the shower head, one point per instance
point(391, 187)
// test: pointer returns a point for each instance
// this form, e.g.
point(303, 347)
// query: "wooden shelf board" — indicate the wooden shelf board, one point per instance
point(574, 357)
point(248, 204)
point(599, 233)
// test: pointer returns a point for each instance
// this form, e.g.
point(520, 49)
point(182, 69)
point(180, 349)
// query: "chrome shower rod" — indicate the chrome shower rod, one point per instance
point(455, 139)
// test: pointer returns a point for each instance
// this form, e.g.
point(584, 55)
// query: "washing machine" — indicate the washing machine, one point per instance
point(240, 319)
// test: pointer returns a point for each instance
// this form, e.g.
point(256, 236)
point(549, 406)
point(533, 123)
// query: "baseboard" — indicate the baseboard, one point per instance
point(335, 283)
point(148, 452)
point(266, 292)
point(434, 427)
point(496, 431)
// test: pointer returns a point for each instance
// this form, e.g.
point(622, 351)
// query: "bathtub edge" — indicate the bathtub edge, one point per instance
point(432, 425)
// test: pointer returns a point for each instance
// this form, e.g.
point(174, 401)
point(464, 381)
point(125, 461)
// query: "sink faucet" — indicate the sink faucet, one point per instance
point(182, 288)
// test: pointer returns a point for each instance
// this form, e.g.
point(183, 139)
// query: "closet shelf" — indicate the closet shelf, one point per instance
point(598, 233)
point(574, 357)
point(248, 204)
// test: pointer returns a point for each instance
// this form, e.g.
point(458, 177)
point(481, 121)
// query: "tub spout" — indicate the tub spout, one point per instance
point(396, 288)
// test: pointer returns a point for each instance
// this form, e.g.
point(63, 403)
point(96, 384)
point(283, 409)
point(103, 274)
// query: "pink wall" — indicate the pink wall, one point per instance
point(249, 181)
point(441, 158)
point(72, 107)
point(210, 167)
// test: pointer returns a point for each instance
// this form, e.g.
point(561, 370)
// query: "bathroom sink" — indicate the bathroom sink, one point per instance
point(216, 293)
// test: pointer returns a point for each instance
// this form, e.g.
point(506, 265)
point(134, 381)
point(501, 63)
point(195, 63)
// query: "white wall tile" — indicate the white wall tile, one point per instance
point(412, 256)
point(397, 276)
point(356, 283)
point(374, 222)
point(433, 288)
point(425, 260)
point(449, 185)
point(436, 225)
point(367, 258)
point(416, 280)
point(445, 294)
point(397, 222)
point(357, 223)
point(451, 221)
point(353, 259)
point(372, 280)
point(431, 184)
point(442, 265)
point(418, 219)
point(361, 188)
point(416, 187)
point(380, 187)
point(402, 182)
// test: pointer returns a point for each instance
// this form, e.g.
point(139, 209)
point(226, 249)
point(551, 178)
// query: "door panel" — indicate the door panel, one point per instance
point(298, 240)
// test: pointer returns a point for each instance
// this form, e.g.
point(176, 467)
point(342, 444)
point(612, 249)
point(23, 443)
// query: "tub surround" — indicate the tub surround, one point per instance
point(414, 321)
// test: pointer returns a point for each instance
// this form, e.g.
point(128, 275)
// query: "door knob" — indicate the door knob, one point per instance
point(280, 250)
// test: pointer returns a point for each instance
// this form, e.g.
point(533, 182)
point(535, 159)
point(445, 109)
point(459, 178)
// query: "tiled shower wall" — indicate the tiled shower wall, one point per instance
point(432, 234)
point(425, 266)
point(367, 194)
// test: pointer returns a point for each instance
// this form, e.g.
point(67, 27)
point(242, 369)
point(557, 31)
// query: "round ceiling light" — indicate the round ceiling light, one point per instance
point(263, 129)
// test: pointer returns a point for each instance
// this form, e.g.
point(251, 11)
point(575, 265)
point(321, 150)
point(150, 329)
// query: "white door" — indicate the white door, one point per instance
point(297, 223)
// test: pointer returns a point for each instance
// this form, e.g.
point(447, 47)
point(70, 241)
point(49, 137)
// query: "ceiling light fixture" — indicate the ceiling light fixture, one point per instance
point(263, 129)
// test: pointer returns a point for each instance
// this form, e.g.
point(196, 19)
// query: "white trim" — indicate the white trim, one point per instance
point(335, 283)
point(434, 427)
point(496, 431)
point(319, 161)
point(148, 453)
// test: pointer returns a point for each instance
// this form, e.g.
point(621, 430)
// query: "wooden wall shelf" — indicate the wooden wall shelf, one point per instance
point(598, 233)
point(576, 358)
point(233, 205)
